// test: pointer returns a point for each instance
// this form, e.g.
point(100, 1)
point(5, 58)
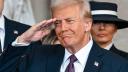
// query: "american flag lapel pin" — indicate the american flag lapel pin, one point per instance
point(15, 32)
point(96, 63)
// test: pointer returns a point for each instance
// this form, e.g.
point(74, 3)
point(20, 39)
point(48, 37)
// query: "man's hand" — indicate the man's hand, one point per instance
point(36, 32)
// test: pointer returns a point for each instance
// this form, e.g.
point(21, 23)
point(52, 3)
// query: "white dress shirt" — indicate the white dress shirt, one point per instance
point(81, 55)
point(2, 31)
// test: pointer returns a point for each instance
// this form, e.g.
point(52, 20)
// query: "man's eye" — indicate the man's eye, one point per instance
point(70, 21)
point(57, 22)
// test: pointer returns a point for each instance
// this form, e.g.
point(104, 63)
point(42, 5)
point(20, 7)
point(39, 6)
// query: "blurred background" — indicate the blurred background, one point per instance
point(32, 11)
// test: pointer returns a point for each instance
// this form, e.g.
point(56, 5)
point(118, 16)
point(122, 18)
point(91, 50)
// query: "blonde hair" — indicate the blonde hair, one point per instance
point(51, 38)
point(83, 4)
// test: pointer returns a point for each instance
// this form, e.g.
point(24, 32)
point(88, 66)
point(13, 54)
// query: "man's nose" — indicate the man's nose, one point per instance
point(64, 26)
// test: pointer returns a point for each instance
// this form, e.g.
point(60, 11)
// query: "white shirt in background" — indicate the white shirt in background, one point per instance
point(19, 10)
point(2, 31)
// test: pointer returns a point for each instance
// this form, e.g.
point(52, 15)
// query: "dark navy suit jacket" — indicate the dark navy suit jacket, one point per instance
point(119, 52)
point(49, 58)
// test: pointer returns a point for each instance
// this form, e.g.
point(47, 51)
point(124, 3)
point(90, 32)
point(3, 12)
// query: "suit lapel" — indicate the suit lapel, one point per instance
point(10, 35)
point(94, 62)
point(113, 49)
point(55, 59)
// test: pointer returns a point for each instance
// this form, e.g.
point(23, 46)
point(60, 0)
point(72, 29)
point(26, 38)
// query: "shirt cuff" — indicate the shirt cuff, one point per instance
point(16, 44)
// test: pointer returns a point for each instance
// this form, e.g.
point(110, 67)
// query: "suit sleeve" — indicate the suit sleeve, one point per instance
point(11, 58)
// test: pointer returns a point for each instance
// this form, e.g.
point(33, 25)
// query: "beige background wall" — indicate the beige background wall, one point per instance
point(41, 11)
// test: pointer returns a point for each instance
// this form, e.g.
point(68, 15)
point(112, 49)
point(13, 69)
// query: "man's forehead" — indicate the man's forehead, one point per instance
point(64, 18)
point(67, 18)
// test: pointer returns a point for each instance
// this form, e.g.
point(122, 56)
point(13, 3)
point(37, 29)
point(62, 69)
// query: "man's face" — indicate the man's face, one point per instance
point(103, 32)
point(70, 26)
point(1, 6)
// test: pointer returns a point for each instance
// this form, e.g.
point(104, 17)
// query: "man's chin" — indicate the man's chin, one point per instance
point(67, 45)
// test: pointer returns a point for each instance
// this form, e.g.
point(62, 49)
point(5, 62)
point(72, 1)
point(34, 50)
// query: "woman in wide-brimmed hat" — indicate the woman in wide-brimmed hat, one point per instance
point(105, 25)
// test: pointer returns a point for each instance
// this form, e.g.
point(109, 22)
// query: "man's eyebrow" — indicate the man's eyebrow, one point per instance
point(70, 18)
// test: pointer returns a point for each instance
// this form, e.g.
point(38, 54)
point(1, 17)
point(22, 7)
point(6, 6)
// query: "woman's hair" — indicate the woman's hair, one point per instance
point(51, 38)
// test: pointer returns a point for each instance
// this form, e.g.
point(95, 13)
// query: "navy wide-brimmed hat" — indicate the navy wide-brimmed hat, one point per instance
point(105, 11)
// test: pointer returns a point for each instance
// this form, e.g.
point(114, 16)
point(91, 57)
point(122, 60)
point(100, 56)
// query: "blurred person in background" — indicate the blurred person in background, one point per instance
point(19, 10)
point(9, 29)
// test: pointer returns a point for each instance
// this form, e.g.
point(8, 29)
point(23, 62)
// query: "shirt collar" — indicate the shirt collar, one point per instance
point(67, 54)
point(2, 22)
point(108, 46)
point(82, 54)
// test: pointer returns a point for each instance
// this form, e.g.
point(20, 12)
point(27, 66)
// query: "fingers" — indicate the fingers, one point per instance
point(46, 24)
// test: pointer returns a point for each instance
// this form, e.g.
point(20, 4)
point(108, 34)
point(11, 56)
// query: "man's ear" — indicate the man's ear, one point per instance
point(88, 24)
